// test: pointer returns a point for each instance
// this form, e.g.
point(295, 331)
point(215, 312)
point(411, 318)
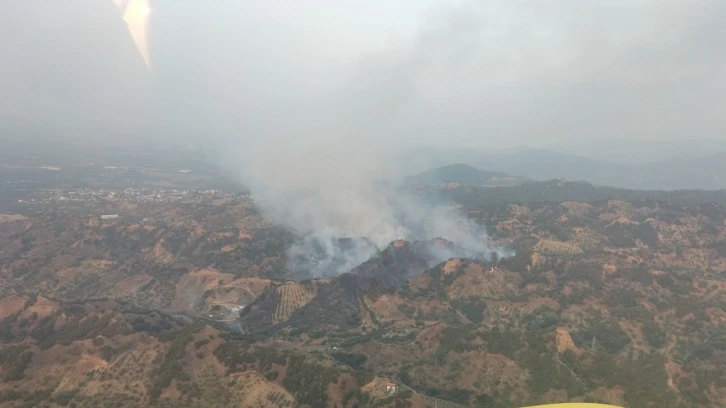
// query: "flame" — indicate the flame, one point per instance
point(136, 14)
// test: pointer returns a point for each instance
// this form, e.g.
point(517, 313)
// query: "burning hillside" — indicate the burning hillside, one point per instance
point(342, 299)
point(333, 238)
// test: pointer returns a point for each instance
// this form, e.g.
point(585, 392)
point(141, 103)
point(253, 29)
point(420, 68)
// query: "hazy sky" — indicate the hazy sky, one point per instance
point(459, 73)
point(308, 100)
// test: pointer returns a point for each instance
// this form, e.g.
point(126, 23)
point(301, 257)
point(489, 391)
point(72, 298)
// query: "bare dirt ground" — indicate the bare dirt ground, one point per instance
point(11, 218)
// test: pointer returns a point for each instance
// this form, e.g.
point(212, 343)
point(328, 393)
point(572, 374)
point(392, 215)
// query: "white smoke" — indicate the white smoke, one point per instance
point(314, 155)
point(333, 197)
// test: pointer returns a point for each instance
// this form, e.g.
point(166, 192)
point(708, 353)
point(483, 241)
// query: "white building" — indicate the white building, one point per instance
point(237, 309)
point(391, 388)
point(109, 217)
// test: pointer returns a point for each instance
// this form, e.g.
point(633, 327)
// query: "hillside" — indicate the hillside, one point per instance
point(612, 302)
point(613, 296)
point(157, 254)
point(103, 354)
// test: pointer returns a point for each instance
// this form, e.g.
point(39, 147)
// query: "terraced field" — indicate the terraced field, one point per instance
point(437, 403)
point(431, 401)
point(292, 297)
point(551, 247)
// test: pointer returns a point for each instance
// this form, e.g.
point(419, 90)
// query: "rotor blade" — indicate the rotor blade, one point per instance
point(136, 15)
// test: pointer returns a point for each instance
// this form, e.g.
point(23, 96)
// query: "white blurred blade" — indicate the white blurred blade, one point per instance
point(136, 15)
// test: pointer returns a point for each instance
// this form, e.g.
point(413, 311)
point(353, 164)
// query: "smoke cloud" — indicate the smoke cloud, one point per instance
point(313, 141)
point(340, 195)
point(340, 226)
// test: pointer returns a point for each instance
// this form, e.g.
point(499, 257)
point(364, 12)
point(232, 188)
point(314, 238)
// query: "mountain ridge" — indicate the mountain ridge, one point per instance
point(462, 174)
point(544, 164)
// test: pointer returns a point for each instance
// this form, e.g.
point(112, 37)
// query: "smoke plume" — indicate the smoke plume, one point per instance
point(344, 205)
point(321, 160)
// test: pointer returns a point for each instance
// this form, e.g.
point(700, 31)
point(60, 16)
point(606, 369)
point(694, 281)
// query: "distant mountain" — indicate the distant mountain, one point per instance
point(639, 152)
point(707, 172)
point(463, 174)
point(543, 164)
point(537, 164)
point(558, 191)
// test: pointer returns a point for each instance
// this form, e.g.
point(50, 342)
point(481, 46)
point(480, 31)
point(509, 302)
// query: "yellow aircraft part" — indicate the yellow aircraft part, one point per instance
point(574, 405)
